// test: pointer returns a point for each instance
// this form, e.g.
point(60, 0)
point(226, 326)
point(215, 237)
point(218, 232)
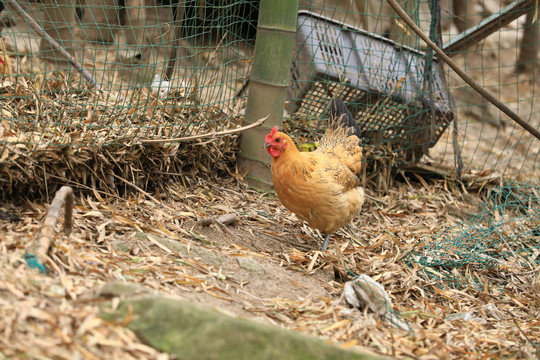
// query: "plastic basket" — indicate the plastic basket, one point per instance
point(384, 84)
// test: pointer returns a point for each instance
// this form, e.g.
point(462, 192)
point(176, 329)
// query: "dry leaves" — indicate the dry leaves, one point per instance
point(56, 130)
point(164, 247)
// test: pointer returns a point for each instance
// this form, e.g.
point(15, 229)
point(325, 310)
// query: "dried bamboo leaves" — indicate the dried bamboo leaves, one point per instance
point(56, 130)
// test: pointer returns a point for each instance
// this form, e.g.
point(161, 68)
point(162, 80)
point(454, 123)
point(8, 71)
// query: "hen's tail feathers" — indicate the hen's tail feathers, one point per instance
point(338, 141)
point(341, 116)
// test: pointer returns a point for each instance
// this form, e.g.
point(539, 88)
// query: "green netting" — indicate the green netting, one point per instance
point(405, 99)
point(123, 46)
point(502, 238)
point(163, 70)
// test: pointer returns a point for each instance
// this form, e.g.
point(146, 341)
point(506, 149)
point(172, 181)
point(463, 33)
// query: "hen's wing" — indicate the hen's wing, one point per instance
point(341, 141)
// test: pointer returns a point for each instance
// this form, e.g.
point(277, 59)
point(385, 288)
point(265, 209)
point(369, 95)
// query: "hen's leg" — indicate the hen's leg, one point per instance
point(325, 245)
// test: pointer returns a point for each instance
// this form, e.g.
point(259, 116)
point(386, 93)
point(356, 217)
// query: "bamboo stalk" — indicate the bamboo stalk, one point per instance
point(276, 34)
point(38, 253)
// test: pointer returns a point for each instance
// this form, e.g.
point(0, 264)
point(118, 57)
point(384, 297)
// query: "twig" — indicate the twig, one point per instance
point(137, 188)
point(82, 186)
point(375, 199)
point(253, 296)
point(462, 74)
point(537, 347)
point(524, 272)
point(63, 200)
point(222, 221)
point(41, 32)
point(211, 134)
point(212, 57)
point(156, 201)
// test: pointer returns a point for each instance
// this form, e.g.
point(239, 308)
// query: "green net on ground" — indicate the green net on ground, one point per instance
point(502, 239)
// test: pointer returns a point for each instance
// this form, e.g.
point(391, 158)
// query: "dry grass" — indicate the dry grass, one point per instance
point(137, 216)
point(129, 196)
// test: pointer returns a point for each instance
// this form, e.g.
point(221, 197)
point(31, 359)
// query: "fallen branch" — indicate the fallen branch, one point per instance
point(212, 134)
point(38, 253)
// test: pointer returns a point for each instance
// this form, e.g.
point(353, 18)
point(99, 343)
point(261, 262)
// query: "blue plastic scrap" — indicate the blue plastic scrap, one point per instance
point(34, 263)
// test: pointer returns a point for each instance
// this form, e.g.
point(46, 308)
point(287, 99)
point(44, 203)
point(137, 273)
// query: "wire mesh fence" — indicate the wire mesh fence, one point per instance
point(405, 99)
point(415, 111)
point(125, 46)
point(173, 69)
point(161, 70)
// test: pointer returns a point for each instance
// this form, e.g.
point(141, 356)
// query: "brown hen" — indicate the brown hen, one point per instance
point(320, 187)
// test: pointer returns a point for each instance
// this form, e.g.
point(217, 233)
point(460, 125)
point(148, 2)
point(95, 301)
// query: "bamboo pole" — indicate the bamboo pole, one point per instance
point(276, 34)
point(37, 254)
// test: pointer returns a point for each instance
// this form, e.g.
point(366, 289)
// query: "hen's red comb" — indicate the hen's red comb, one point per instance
point(269, 136)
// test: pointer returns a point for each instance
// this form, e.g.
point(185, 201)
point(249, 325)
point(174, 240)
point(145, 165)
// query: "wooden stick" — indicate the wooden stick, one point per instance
point(38, 254)
point(137, 188)
point(462, 74)
point(222, 221)
point(211, 134)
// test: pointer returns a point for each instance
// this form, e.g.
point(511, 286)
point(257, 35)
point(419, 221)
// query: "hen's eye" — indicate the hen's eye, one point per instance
point(278, 140)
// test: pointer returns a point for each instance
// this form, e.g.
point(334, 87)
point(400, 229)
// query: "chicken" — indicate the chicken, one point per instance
point(320, 187)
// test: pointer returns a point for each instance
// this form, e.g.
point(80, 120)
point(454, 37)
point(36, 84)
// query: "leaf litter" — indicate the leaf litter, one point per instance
point(164, 247)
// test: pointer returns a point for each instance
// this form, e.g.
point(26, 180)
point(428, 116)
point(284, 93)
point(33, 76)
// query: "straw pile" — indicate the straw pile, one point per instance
point(57, 131)
point(289, 282)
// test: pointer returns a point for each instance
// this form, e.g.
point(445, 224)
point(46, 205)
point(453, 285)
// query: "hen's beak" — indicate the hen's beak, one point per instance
point(266, 145)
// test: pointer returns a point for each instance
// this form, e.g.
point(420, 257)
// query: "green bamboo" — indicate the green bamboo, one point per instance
point(276, 33)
